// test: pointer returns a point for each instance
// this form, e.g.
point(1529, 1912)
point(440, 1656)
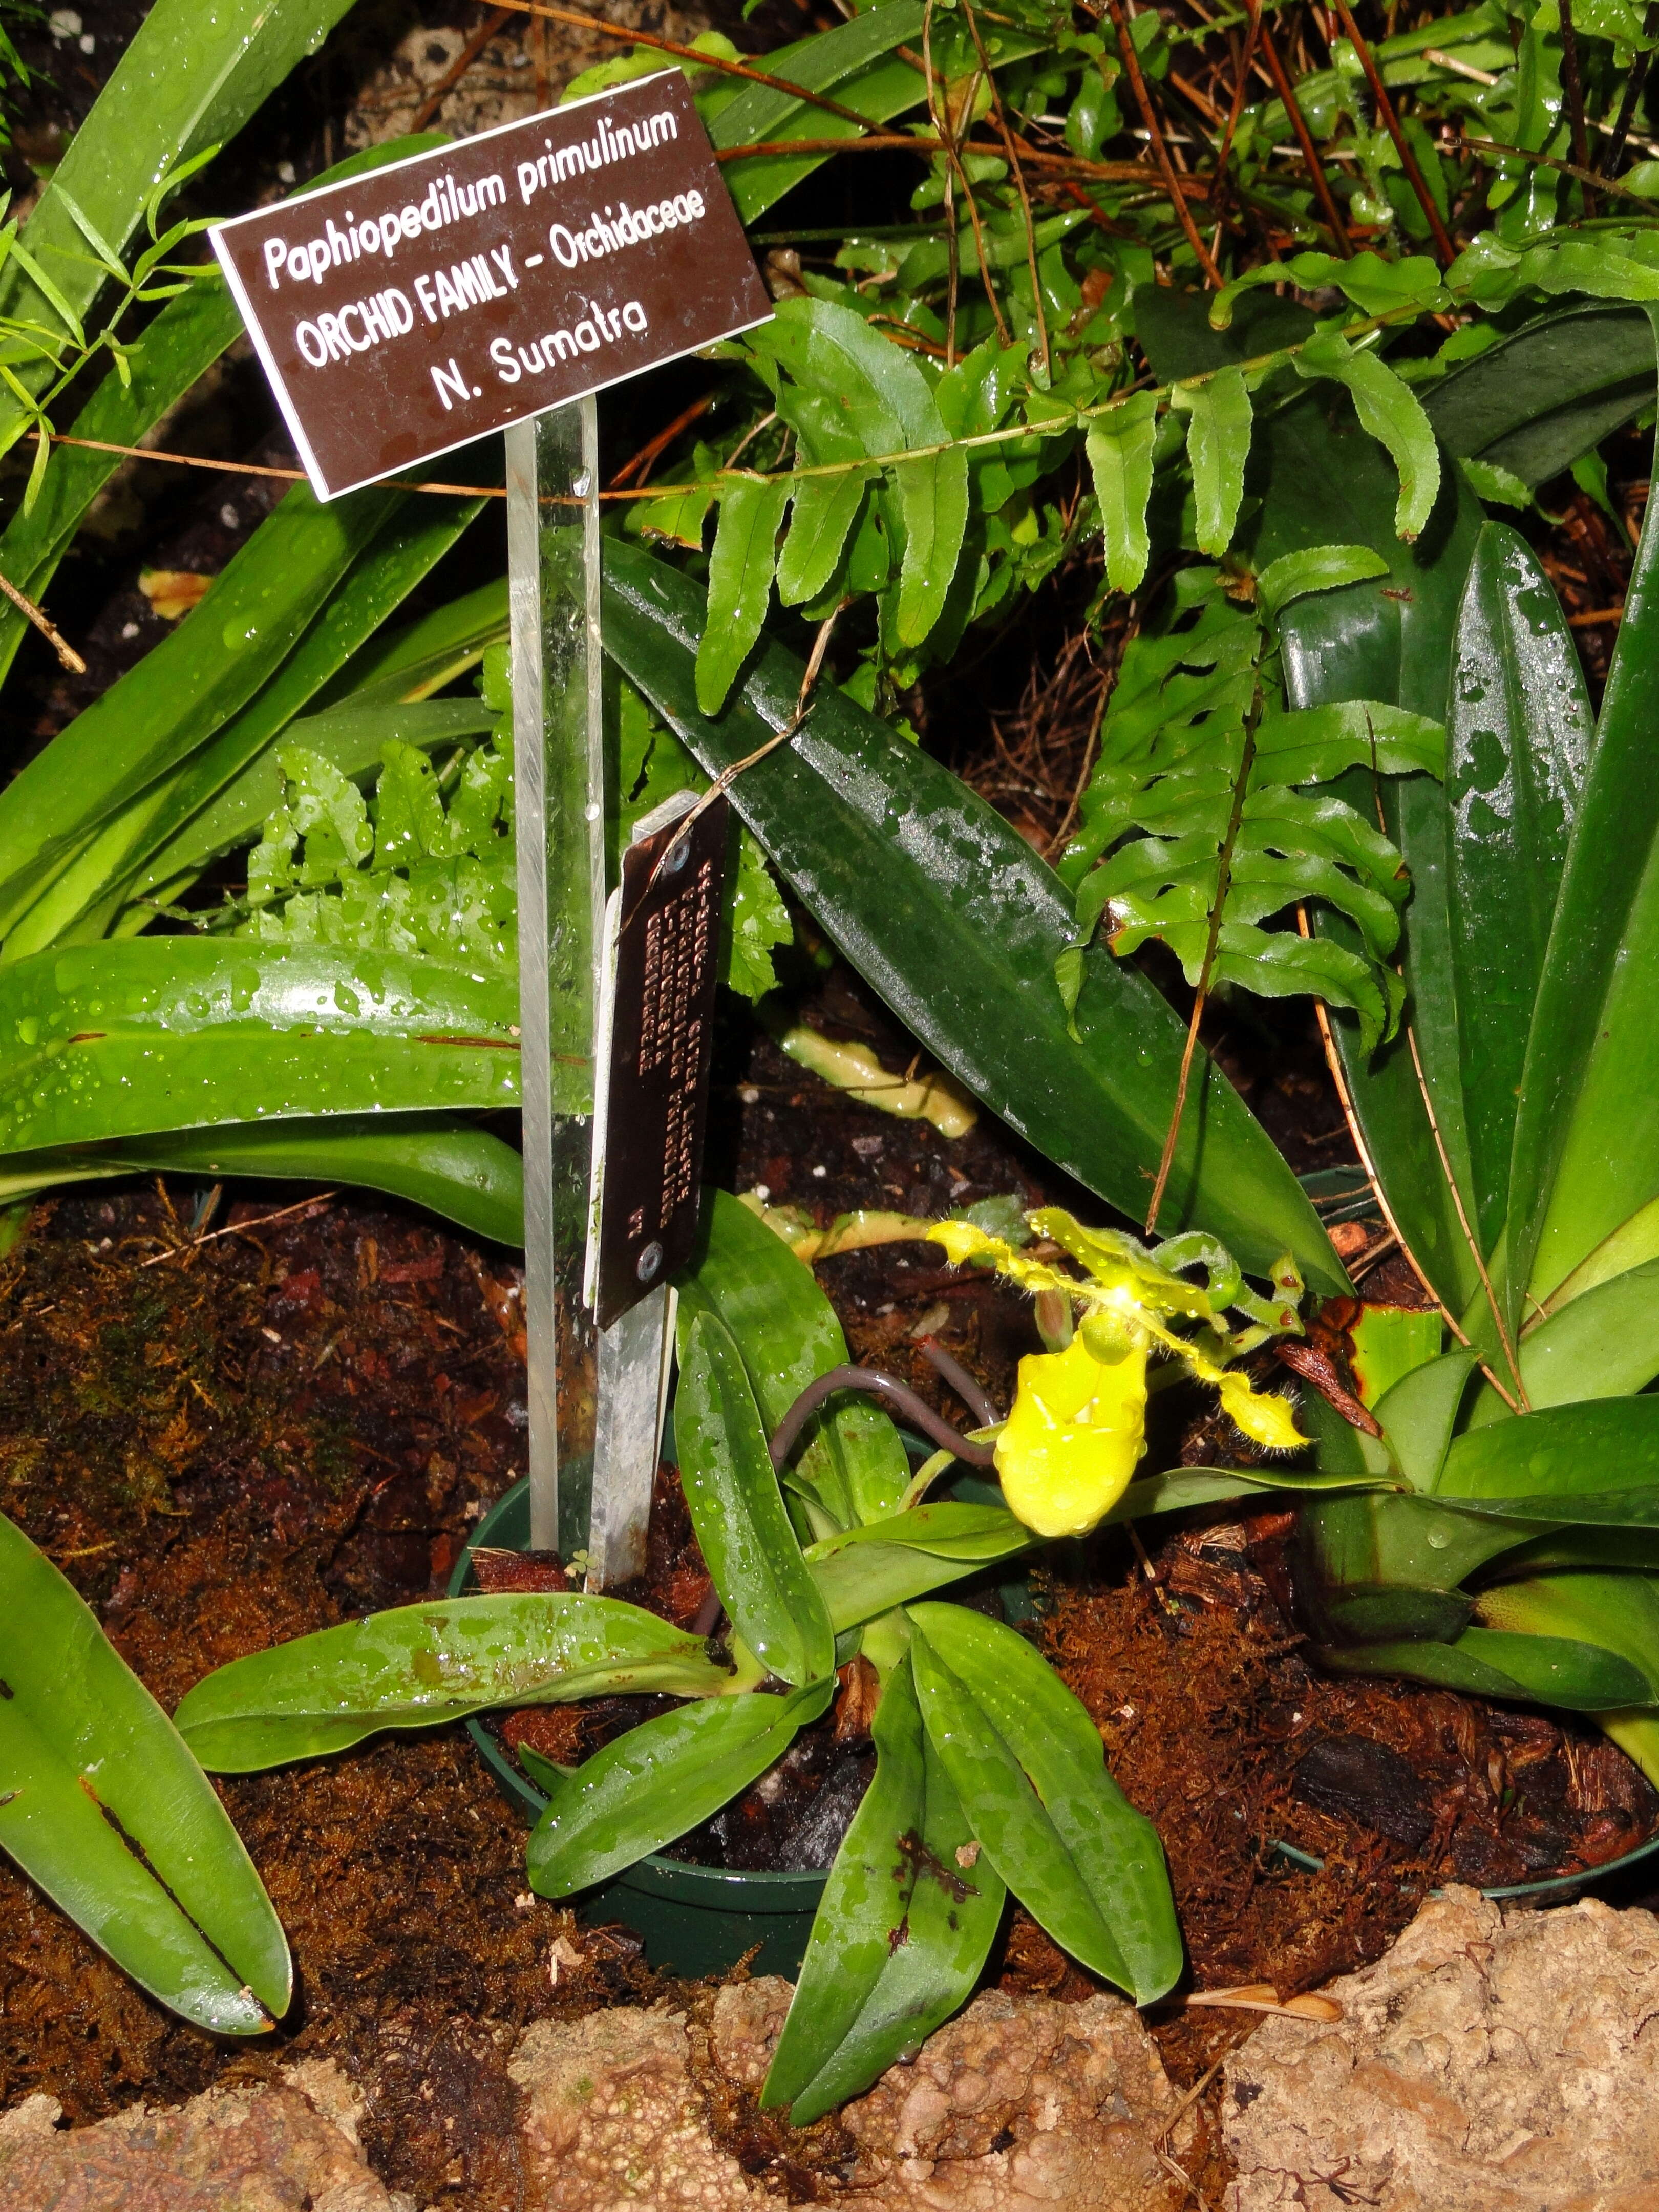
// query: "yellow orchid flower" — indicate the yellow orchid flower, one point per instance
point(1078, 1425)
point(1067, 1451)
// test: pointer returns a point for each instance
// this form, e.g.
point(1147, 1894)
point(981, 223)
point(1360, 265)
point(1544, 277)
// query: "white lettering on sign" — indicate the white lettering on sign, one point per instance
point(418, 306)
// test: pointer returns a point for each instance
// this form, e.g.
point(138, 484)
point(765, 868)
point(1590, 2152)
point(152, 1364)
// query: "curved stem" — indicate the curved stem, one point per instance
point(945, 1364)
point(874, 1384)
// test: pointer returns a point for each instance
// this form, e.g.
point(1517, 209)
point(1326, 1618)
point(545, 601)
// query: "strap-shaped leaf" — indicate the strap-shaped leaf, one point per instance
point(83, 1746)
point(121, 1040)
point(869, 1579)
point(954, 920)
point(188, 80)
point(1519, 727)
point(736, 1509)
point(862, 63)
point(178, 345)
point(1392, 413)
point(910, 1913)
point(1417, 1414)
point(1548, 392)
point(453, 1167)
point(1484, 1663)
point(947, 1530)
point(1617, 1612)
point(1120, 449)
point(157, 714)
point(651, 1784)
point(740, 573)
point(1217, 446)
point(1603, 1344)
point(1586, 1138)
point(1028, 1765)
point(418, 1665)
point(787, 1330)
point(1590, 1446)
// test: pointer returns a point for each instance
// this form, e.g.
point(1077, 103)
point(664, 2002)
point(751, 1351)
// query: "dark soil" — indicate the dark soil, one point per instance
point(224, 1443)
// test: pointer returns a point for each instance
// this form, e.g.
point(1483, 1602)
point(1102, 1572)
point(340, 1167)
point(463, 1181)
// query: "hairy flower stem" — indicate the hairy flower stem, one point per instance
point(874, 1384)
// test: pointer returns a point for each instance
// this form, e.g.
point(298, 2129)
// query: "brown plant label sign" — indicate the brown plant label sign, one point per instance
point(413, 309)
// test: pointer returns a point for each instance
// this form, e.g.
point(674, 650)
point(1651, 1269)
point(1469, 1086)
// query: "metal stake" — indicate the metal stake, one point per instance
point(596, 1398)
point(553, 568)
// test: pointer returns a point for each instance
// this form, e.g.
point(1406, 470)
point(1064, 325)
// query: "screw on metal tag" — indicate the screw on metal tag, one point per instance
point(661, 1035)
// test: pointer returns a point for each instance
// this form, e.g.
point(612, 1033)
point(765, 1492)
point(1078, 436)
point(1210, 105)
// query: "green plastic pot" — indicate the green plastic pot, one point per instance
point(695, 1920)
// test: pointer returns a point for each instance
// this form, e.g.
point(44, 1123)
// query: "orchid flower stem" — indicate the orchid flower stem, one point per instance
point(946, 1364)
point(873, 1384)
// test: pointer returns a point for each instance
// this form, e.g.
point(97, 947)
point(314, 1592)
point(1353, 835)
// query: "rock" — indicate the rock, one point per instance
point(744, 2031)
point(229, 2150)
point(612, 2118)
point(1019, 2104)
point(1487, 2063)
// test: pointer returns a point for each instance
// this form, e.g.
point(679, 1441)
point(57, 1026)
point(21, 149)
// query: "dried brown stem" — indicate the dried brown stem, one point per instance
point(1634, 84)
point(580, 19)
point(1572, 84)
point(1316, 167)
point(48, 629)
point(1469, 1236)
point(1007, 135)
point(1385, 109)
point(1160, 148)
point(459, 68)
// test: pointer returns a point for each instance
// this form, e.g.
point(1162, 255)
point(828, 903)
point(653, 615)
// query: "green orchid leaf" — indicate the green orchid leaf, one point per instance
point(422, 657)
point(952, 918)
point(116, 1040)
point(739, 583)
point(1519, 729)
point(419, 1665)
point(451, 1167)
point(864, 1580)
point(1417, 1414)
point(103, 1806)
point(1586, 1147)
point(910, 1913)
point(657, 1780)
point(183, 341)
point(851, 1457)
point(1119, 445)
point(186, 81)
point(736, 1509)
point(1618, 1614)
point(947, 1531)
point(860, 63)
point(1549, 393)
point(1026, 1761)
point(1204, 1486)
point(1557, 1452)
point(1545, 1670)
point(1605, 1344)
point(153, 718)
